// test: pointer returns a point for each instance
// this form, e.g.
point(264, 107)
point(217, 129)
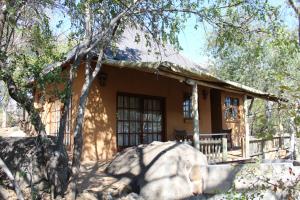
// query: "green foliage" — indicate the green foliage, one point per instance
point(267, 59)
point(165, 19)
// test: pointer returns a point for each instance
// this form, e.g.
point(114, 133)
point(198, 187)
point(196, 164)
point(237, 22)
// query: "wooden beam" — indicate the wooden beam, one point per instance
point(251, 104)
point(224, 148)
point(247, 129)
point(292, 142)
point(196, 130)
point(202, 83)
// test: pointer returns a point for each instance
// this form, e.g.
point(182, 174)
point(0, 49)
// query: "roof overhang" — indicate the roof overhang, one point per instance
point(202, 78)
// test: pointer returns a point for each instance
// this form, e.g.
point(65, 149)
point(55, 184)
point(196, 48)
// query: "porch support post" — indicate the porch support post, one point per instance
point(292, 142)
point(247, 129)
point(195, 115)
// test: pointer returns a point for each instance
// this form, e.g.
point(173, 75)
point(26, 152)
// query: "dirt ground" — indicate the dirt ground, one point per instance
point(93, 184)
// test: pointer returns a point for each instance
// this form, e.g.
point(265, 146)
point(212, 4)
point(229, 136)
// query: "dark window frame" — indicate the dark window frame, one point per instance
point(141, 109)
point(187, 106)
point(231, 109)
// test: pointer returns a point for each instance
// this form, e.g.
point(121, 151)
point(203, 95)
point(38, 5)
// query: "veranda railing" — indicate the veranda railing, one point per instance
point(259, 146)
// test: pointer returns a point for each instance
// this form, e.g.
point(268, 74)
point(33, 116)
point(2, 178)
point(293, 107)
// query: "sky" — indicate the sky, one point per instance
point(194, 42)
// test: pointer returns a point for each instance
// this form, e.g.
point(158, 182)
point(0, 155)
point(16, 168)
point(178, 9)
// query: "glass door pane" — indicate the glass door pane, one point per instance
point(152, 123)
point(128, 121)
point(139, 120)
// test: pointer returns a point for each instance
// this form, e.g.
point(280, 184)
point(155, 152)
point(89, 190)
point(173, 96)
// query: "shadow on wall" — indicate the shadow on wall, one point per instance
point(99, 137)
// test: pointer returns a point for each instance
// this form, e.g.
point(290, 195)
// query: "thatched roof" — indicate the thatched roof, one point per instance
point(167, 61)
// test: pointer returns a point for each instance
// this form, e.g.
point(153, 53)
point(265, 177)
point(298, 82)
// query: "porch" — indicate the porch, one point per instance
point(217, 147)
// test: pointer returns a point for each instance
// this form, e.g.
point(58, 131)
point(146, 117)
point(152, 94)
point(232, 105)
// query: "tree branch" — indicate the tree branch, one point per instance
point(293, 5)
point(8, 173)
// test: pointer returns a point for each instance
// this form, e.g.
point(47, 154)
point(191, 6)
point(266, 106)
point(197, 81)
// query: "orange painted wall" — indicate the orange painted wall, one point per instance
point(48, 103)
point(100, 116)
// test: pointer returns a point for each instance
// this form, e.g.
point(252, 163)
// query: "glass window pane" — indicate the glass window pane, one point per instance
point(154, 115)
point(150, 139)
point(132, 102)
point(121, 114)
point(126, 115)
point(126, 140)
point(120, 127)
point(126, 103)
point(126, 127)
point(159, 128)
point(150, 102)
point(151, 116)
point(120, 139)
point(138, 127)
point(157, 117)
point(138, 116)
point(132, 127)
point(132, 115)
point(132, 139)
point(145, 117)
point(155, 127)
point(227, 101)
point(150, 128)
point(235, 101)
point(159, 137)
point(145, 139)
point(145, 127)
point(120, 101)
point(137, 139)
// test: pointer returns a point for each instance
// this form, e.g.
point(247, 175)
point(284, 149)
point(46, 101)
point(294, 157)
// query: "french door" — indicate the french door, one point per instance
point(139, 120)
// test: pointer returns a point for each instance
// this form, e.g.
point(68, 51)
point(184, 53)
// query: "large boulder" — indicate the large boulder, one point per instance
point(161, 170)
point(35, 163)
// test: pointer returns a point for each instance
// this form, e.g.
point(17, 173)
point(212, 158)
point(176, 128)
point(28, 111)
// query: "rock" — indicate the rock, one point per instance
point(32, 162)
point(87, 196)
point(161, 170)
point(131, 196)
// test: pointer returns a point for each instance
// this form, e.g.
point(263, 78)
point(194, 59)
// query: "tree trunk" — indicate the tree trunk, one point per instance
point(27, 103)
point(102, 41)
point(66, 106)
point(195, 107)
point(12, 179)
point(78, 138)
point(299, 28)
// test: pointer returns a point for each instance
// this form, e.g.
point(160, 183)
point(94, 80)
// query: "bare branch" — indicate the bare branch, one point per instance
point(293, 5)
point(12, 179)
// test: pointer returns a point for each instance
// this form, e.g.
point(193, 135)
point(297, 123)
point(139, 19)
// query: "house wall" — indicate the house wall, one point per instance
point(100, 117)
point(47, 101)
